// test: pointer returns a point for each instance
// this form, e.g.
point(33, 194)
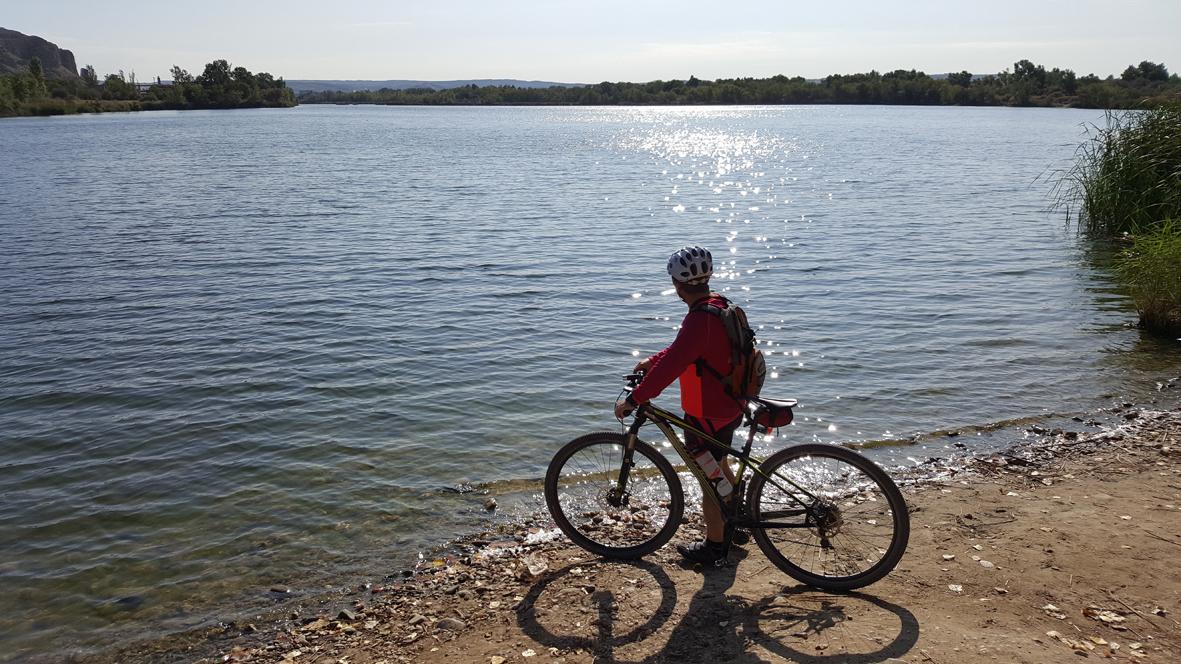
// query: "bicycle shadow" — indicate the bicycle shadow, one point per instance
point(810, 626)
point(625, 603)
point(610, 602)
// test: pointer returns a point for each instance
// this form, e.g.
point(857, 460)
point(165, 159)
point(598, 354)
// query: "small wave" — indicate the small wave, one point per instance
point(73, 300)
point(1008, 342)
point(966, 432)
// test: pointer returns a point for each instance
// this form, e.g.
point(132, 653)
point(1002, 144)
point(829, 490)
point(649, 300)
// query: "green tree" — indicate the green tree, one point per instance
point(34, 84)
point(115, 86)
point(1026, 72)
point(216, 74)
point(8, 100)
point(180, 76)
point(962, 79)
point(89, 76)
point(1065, 80)
point(1151, 71)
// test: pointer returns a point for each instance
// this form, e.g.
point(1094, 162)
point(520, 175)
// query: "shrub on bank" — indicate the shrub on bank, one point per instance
point(1126, 183)
point(1151, 270)
point(51, 106)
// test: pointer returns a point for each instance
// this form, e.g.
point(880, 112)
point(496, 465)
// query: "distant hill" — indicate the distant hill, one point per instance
point(17, 49)
point(354, 86)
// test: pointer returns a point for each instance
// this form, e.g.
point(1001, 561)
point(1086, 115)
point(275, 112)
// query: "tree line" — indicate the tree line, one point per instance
point(1027, 84)
point(218, 86)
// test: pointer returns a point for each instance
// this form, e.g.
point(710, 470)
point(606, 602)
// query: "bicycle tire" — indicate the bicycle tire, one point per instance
point(578, 483)
point(811, 555)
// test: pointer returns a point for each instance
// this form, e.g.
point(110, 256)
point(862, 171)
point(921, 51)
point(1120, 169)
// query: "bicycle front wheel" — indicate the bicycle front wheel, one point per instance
point(603, 515)
point(849, 522)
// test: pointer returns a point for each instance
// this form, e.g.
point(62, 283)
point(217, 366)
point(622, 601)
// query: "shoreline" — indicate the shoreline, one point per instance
point(494, 593)
point(542, 104)
point(57, 107)
point(90, 107)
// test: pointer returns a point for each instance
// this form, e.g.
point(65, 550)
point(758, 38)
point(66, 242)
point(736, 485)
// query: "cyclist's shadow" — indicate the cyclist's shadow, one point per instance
point(797, 623)
point(710, 629)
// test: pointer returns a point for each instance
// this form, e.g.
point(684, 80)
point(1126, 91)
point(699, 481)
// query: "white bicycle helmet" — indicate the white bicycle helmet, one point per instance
point(691, 265)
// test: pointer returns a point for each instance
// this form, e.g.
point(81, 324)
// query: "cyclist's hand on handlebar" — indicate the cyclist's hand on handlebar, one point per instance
point(643, 365)
point(623, 408)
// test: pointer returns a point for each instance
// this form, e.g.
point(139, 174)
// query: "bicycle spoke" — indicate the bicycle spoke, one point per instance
point(850, 535)
point(584, 493)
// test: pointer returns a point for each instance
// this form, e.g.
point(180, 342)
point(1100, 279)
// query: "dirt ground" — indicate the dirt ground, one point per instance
point(1064, 550)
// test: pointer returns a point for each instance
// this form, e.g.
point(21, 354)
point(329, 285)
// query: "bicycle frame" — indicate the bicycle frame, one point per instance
point(665, 421)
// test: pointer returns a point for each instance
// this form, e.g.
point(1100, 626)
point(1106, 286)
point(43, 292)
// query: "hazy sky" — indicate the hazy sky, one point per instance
point(589, 41)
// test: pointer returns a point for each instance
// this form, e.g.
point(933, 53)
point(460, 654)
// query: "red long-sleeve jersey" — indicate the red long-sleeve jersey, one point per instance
point(702, 335)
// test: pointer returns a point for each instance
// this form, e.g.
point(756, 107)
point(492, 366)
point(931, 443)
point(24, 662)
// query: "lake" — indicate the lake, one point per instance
point(245, 350)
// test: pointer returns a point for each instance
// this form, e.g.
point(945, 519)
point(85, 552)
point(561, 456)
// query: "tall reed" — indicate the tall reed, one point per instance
point(1127, 175)
point(1126, 184)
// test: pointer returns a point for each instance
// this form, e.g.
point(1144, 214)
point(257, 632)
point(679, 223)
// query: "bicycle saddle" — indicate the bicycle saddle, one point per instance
point(774, 403)
point(770, 413)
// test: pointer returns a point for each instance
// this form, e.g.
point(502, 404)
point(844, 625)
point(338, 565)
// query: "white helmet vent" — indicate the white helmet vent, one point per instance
point(691, 265)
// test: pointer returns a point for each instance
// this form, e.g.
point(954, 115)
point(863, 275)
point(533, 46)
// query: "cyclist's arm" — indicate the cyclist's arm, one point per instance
point(646, 363)
point(671, 362)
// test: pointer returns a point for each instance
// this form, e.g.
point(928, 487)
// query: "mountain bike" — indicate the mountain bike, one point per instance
point(825, 515)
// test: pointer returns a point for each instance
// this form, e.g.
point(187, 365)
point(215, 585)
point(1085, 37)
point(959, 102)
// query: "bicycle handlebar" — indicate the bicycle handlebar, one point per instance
point(633, 379)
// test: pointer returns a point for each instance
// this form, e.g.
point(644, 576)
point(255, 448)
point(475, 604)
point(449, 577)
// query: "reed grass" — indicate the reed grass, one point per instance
point(1151, 271)
point(1126, 184)
point(1126, 178)
point(51, 106)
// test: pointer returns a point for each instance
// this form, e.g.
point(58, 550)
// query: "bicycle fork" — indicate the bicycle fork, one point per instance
point(619, 495)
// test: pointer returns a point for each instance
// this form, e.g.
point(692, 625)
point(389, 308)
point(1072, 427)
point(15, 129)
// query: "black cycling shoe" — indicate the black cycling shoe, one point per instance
point(741, 537)
point(704, 552)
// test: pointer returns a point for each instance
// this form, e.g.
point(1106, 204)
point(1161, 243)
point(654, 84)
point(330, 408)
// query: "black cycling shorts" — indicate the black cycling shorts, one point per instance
point(695, 444)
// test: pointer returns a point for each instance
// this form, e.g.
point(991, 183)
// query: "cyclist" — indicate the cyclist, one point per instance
point(701, 339)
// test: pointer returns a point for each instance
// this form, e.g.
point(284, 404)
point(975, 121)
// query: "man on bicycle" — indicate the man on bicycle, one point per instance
point(701, 339)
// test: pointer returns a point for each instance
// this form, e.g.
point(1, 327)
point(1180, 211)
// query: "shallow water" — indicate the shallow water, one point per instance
point(242, 350)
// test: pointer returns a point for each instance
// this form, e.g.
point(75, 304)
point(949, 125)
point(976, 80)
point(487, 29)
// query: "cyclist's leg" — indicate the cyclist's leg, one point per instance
point(715, 525)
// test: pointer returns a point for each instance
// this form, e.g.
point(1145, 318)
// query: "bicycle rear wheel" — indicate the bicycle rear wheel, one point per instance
point(584, 496)
point(855, 524)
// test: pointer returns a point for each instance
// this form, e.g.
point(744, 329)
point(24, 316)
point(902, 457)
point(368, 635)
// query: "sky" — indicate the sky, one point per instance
point(610, 40)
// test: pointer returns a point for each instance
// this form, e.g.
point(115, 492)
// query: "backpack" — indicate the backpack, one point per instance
point(748, 367)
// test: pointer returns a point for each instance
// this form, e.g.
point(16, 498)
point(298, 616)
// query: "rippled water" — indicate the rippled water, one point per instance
point(246, 349)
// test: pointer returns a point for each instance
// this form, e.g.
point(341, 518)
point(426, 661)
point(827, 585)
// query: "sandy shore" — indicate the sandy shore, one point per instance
point(1062, 549)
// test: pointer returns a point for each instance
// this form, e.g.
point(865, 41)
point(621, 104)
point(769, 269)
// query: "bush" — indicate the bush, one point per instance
point(1151, 270)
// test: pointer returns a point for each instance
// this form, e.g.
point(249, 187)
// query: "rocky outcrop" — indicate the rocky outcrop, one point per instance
point(17, 49)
